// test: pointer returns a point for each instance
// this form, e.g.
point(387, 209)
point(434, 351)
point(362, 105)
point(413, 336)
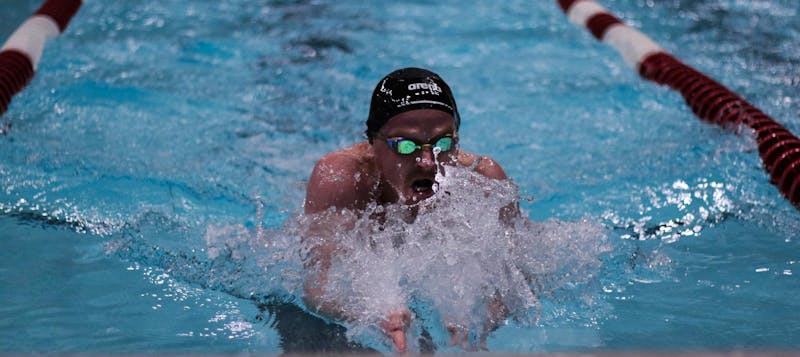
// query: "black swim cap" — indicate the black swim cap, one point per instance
point(409, 89)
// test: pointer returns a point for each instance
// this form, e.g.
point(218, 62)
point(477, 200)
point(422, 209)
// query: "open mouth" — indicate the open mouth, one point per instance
point(422, 185)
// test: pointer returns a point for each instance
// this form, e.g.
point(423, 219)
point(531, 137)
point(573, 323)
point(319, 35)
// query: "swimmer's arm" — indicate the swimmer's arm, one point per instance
point(498, 311)
point(321, 240)
point(315, 298)
point(331, 195)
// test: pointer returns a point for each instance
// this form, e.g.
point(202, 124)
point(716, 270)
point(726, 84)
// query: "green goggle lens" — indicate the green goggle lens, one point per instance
point(406, 146)
point(444, 144)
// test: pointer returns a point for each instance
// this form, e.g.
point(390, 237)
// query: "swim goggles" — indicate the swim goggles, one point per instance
point(405, 146)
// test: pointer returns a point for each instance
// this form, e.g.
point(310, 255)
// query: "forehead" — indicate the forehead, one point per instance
point(419, 123)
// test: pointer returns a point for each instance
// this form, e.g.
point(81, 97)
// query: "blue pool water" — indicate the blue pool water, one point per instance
point(152, 127)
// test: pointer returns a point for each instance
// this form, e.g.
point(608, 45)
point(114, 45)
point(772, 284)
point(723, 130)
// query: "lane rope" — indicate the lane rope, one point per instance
point(21, 53)
point(709, 100)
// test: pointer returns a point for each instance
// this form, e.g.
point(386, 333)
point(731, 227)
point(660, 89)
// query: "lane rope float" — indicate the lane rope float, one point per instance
point(709, 100)
point(20, 55)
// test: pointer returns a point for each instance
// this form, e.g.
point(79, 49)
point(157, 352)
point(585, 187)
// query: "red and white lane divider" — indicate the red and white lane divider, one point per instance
point(709, 100)
point(20, 55)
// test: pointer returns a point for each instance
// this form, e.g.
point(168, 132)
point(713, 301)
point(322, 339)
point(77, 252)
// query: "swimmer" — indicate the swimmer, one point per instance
point(412, 134)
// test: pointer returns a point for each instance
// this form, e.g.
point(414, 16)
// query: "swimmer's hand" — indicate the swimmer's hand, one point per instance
point(459, 336)
point(497, 313)
point(395, 326)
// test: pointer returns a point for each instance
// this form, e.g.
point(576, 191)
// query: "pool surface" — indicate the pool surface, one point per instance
point(154, 129)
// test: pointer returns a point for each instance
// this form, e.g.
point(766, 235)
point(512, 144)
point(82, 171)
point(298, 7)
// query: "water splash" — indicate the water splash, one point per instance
point(675, 210)
point(453, 254)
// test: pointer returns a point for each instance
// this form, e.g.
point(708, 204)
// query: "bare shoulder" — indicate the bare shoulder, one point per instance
point(483, 165)
point(341, 179)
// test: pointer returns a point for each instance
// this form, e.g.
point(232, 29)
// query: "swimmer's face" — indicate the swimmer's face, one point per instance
point(412, 176)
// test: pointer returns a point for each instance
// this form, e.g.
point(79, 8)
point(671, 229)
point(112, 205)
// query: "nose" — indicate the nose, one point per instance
point(425, 159)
